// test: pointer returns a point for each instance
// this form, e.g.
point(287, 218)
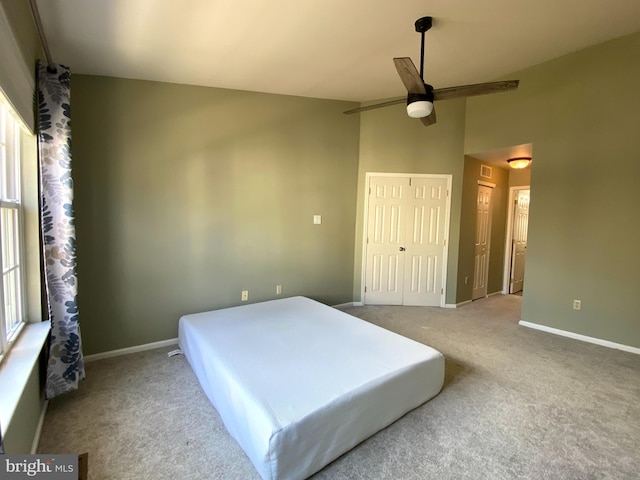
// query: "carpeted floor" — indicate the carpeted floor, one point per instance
point(517, 404)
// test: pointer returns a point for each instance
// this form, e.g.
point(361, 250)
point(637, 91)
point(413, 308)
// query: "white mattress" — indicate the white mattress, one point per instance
point(298, 383)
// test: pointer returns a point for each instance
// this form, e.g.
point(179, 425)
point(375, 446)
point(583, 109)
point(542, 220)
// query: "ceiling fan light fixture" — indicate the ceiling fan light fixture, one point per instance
point(419, 109)
point(519, 162)
point(420, 105)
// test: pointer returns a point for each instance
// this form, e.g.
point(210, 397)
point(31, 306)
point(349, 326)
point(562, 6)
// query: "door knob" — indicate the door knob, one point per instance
point(402, 249)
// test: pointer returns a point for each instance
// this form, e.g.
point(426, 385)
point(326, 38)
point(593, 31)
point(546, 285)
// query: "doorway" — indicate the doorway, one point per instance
point(405, 239)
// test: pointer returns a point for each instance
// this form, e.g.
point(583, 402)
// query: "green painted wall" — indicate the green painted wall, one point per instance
point(499, 199)
point(580, 112)
point(391, 142)
point(520, 177)
point(185, 196)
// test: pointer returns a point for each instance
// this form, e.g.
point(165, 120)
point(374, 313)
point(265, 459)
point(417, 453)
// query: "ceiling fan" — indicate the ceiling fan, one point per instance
point(421, 95)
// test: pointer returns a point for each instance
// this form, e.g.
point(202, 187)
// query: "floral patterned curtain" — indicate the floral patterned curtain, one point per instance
point(65, 364)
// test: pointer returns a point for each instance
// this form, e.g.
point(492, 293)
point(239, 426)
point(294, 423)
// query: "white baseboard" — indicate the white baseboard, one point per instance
point(582, 338)
point(36, 436)
point(457, 305)
point(466, 302)
point(126, 351)
point(348, 304)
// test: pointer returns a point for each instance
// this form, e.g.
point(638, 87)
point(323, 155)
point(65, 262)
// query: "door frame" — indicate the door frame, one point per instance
point(506, 276)
point(447, 215)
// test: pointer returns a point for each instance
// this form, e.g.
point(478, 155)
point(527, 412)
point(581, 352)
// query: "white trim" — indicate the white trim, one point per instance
point(365, 226)
point(400, 175)
point(128, 350)
point(17, 79)
point(466, 302)
point(447, 220)
point(486, 184)
point(508, 250)
point(348, 304)
point(38, 433)
point(583, 338)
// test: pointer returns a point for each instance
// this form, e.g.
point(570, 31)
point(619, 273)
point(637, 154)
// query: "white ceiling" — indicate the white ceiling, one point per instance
point(334, 49)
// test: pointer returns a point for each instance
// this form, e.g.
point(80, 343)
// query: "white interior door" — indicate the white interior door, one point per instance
point(406, 240)
point(482, 242)
point(385, 239)
point(425, 237)
point(519, 240)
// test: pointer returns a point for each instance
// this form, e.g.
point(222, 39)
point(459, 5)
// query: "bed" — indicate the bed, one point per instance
point(298, 383)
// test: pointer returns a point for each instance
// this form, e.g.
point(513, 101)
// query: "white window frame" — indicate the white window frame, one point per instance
point(11, 133)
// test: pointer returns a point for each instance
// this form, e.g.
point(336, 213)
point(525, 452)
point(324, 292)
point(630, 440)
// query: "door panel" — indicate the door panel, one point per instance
point(427, 202)
point(385, 261)
point(482, 242)
point(519, 242)
point(416, 274)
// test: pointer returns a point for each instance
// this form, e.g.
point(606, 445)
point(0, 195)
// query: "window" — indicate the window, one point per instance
point(11, 236)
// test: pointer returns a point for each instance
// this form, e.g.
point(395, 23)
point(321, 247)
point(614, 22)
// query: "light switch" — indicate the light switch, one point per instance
point(317, 219)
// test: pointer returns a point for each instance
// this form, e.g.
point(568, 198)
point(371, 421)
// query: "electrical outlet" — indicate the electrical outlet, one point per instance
point(577, 304)
point(245, 295)
point(278, 289)
point(466, 280)
point(317, 219)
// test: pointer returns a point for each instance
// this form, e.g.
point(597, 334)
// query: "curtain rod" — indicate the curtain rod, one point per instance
point(43, 39)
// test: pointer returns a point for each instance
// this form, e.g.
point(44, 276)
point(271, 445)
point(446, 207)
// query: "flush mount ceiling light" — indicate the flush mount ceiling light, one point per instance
point(519, 162)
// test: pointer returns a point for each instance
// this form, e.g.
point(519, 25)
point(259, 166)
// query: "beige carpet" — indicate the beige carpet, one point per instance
point(517, 403)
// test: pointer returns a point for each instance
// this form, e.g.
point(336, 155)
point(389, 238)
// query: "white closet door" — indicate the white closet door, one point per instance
point(385, 239)
point(406, 235)
point(482, 242)
point(424, 255)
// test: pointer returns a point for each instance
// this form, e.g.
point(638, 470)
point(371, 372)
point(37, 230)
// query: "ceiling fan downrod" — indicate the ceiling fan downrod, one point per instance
point(422, 25)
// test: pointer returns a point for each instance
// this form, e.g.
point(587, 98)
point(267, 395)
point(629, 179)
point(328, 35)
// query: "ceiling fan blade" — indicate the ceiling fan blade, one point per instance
point(476, 89)
point(377, 105)
point(430, 120)
point(409, 75)
point(449, 93)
